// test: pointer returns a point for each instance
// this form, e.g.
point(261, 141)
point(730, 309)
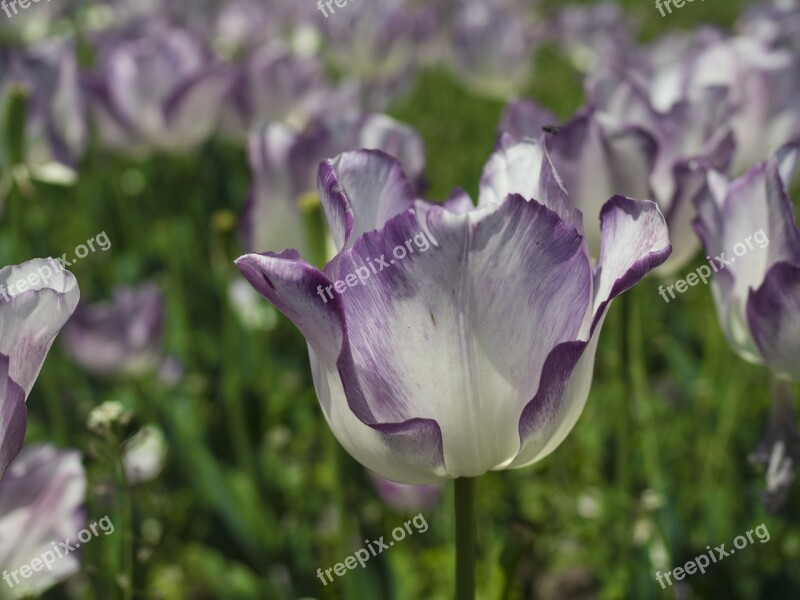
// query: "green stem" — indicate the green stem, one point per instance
point(465, 538)
point(128, 535)
point(623, 421)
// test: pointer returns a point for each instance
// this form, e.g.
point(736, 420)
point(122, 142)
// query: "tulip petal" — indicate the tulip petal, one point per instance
point(635, 241)
point(408, 451)
point(773, 314)
point(31, 319)
point(526, 119)
point(360, 191)
point(41, 501)
point(525, 168)
point(13, 417)
point(597, 160)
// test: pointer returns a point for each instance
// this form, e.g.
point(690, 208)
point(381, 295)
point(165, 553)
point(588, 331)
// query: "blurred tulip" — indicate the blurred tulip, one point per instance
point(41, 505)
point(620, 144)
point(51, 124)
point(380, 44)
point(36, 299)
point(121, 336)
point(158, 91)
point(760, 83)
point(276, 85)
point(405, 498)
point(505, 392)
point(494, 45)
point(594, 35)
point(749, 231)
point(284, 166)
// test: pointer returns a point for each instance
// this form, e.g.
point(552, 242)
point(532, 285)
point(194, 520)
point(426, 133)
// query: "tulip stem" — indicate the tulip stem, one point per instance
point(465, 538)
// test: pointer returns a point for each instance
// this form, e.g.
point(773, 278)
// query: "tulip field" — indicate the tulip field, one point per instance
point(403, 300)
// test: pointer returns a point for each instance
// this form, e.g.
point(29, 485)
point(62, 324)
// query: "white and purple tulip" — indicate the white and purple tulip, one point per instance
point(284, 166)
point(121, 337)
point(749, 230)
point(41, 515)
point(476, 354)
point(36, 299)
point(159, 91)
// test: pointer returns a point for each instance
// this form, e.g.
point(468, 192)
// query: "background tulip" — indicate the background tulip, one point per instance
point(121, 336)
point(41, 505)
point(36, 299)
point(757, 289)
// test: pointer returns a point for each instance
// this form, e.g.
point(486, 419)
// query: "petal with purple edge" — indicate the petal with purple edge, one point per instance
point(360, 191)
point(31, 319)
point(526, 119)
point(408, 451)
point(41, 502)
point(635, 240)
point(13, 417)
point(773, 314)
point(524, 168)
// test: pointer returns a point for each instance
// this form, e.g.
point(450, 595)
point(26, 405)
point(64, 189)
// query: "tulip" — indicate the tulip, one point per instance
point(159, 91)
point(41, 505)
point(493, 45)
point(379, 43)
point(284, 165)
point(277, 85)
point(759, 81)
point(474, 350)
point(45, 120)
point(36, 299)
point(594, 35)
point(620, 144)
point(749, 231)
point(121, 336)
point(369, 345)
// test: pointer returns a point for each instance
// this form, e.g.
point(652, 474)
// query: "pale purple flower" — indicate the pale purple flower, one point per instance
point(36, 299)
point(760, 82)
point(284, 165)
point(380, 44)
point(56, 130)
point(121, 336)
point(594, 35)
point(406, 498)
point(494, 42)
point(158, 91)
point(274, 84)
point(41, 506)
point(776, 23)
point(471, 355)
point(749, 231)
point(620, 144)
